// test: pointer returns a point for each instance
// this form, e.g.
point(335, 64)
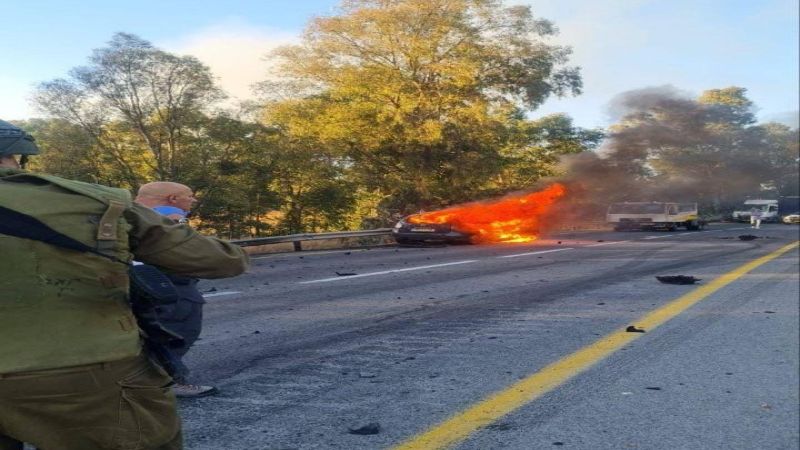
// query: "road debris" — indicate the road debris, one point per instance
point(367, 375)
point(500, 426)
point(370, 428)
point(677, 279)
point(747, 237)
point(345, 274)
point(653, 388)
point(633, 329)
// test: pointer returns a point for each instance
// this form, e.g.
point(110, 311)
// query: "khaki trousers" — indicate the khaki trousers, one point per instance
point(119, 405)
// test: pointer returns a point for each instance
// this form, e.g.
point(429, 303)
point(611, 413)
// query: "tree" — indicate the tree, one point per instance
point(730, 105)
point(131, 87)
point(420, 100)
point(68, 151)
point(137, 113)
point(549, 138)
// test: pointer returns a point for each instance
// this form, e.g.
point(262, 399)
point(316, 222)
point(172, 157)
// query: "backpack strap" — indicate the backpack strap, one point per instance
point(107, 227)
point(17, 224)
point(116, 201)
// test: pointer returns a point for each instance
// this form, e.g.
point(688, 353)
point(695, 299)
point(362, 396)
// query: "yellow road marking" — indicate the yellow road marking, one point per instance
point(460, 426)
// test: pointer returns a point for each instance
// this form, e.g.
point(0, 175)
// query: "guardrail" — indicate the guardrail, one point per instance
point(296, 239)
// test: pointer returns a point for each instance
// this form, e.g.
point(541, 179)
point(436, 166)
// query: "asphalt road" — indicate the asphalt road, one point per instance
point(309, 345)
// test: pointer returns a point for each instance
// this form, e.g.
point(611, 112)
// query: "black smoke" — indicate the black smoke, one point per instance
point(667, 146)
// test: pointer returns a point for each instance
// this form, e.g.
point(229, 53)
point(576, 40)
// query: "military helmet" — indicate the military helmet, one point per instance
point(15, 141)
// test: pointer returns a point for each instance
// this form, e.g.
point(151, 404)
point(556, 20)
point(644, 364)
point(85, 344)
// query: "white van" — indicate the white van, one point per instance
point(768, 208)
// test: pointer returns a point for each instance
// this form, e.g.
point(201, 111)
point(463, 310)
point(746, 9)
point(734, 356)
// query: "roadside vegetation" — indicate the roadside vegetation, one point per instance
point(387, 108)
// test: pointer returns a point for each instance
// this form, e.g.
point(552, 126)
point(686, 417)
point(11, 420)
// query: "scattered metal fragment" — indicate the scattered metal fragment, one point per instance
point(600, 240)
point(633, 329)
point(370, 428)
point(500, 426)
point(345, 274)
point(769, 312)
point(366, 375)
point(677, 279)
point(653, 388)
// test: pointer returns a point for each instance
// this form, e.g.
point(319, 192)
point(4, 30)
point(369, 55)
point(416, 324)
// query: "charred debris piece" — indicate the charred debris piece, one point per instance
point(677, 279)
point(345, 274)
point(633, 329)
point(370, 428)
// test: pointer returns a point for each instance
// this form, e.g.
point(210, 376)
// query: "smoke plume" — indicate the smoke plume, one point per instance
point(668, 147)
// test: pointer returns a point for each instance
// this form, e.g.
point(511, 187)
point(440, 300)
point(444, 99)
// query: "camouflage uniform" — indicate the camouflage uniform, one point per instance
point(73, 375)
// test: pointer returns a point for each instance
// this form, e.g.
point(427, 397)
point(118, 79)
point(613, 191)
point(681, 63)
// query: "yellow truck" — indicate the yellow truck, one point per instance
point(667, 216)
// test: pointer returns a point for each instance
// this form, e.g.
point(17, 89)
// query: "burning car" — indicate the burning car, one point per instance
point(412, 229)
point(514, 218)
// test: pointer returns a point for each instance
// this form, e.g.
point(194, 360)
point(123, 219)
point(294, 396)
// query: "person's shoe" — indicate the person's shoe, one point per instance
point(193, 390)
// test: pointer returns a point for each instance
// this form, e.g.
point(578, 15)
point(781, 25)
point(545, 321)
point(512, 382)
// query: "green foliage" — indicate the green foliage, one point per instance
point(386, 108)
point(730, 105)
point(134, 98)
point(547, 139)
point(137, 114)
point(314, 194)
point(423, 101)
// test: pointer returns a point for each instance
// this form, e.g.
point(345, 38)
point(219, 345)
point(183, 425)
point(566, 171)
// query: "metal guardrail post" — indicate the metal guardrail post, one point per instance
point(297, 246)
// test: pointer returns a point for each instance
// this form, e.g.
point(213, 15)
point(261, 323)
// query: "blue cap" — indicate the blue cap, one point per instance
point(169, 210)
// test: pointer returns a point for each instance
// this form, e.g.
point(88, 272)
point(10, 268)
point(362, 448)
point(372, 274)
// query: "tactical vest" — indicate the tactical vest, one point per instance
point(58, 307)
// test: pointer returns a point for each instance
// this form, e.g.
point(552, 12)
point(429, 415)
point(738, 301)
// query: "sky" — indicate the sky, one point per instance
point(620, 45)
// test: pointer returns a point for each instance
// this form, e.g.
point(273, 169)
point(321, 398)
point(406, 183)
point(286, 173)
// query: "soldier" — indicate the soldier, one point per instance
point(185, 317)
point(73, 374)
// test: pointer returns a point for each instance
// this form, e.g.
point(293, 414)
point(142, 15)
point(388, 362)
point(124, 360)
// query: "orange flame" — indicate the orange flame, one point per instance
point(514, 218)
